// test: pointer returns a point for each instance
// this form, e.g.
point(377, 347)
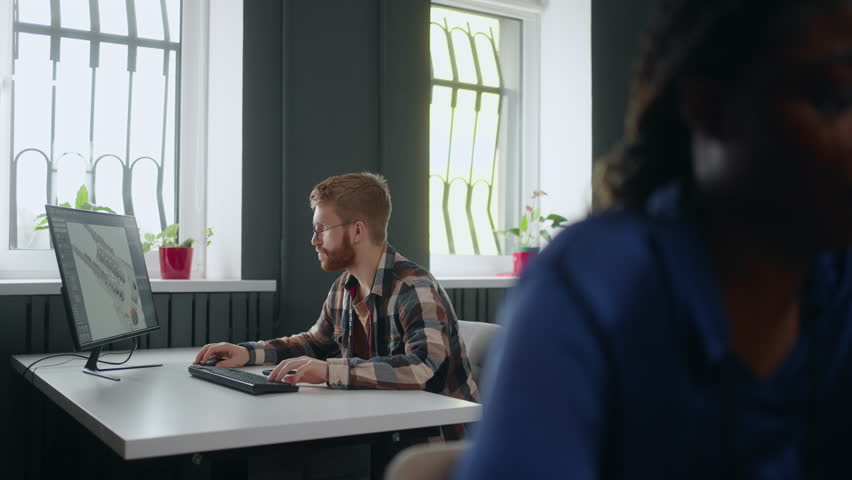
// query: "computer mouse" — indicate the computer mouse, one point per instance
point(213, 361)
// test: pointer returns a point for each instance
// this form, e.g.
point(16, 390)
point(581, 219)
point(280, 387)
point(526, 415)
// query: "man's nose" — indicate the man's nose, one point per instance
point(315, 239)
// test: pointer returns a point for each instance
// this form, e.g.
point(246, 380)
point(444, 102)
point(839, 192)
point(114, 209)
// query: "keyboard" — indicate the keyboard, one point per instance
point(240, 380)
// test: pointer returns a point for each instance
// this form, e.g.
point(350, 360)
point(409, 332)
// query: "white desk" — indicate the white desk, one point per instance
point(162, 411)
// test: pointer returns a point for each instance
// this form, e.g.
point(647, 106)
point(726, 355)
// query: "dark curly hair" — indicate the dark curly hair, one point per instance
point(710, 39)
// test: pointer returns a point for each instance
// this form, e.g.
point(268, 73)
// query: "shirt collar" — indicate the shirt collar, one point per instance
point(383, 279)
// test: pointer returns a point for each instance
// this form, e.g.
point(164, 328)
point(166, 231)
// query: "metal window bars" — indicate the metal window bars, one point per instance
point(96, 38)
point(443, 181)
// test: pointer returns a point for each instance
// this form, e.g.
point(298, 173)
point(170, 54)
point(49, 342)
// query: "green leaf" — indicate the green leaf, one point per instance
point(524, 223)
point(146, 247)
point(85, 206)
point(187, 243)
point(102, 209)
point(82, 197)
point(42, 225)
point(545, 235)
point(171, 231)
point(66, 204)
point(149, 237)
point(556, 219)
point(536, 213)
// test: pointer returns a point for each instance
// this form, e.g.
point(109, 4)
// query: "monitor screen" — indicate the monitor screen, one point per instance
point(105, 282)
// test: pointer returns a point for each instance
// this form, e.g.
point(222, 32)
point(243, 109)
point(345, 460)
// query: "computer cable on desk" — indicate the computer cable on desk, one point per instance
point(77, 355)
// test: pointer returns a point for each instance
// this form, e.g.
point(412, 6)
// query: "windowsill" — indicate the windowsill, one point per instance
point(51, 287)
point(476, 281)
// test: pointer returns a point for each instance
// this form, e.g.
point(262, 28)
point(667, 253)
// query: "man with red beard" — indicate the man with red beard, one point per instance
point(386, 323)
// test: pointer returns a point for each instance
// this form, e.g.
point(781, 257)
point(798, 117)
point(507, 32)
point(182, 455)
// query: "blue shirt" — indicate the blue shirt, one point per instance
point(615, 364)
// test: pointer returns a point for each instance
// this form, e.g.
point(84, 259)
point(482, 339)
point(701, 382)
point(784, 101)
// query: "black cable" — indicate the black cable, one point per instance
point(130, 354)
point(30, 366)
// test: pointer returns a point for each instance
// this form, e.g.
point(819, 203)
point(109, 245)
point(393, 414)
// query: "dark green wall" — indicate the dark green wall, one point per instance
point(616, 39)
point(262, 146)
point(331, 86)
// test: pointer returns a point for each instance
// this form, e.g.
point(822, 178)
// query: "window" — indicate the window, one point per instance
point(480, 162)
point(119, 96)
point(93, 96)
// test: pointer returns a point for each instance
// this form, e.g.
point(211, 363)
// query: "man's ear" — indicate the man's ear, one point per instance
point(701, 105)
point(360, 232)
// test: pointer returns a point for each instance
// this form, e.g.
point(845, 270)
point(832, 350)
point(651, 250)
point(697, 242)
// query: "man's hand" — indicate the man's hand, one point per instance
point(308, 370)
point(231, 355)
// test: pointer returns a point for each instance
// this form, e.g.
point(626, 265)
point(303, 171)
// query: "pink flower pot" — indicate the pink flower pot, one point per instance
point(520, 257)
point(175, 263)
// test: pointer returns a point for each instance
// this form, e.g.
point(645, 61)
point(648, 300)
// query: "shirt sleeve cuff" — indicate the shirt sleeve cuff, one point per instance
point(255, 351)
point(338, 373)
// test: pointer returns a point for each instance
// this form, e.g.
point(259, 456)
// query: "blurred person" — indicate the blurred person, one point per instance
point(386, 323)
point(699, 326)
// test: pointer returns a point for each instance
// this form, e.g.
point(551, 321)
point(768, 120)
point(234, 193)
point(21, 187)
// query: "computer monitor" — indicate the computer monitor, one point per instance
point(104, 280)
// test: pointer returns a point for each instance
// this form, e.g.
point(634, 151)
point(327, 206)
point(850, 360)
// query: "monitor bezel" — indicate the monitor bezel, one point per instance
point(106, 219)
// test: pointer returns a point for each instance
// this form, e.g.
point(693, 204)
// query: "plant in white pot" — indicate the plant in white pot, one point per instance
point(531, 229)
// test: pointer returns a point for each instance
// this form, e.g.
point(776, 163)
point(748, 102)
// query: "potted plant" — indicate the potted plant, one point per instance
point(175, 256)
point(80, 203)
point(530, 231)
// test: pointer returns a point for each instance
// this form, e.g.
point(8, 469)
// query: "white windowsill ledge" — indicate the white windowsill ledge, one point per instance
point(51, 287)
point(472, 281)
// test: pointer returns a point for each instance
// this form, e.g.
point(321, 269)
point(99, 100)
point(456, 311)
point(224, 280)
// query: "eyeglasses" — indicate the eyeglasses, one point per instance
point(319, 230)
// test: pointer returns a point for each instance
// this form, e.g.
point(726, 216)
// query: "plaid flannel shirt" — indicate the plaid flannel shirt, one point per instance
point(416, 342)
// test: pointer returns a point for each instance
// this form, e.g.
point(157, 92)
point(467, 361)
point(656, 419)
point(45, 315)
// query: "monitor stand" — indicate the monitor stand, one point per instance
point(92, 366)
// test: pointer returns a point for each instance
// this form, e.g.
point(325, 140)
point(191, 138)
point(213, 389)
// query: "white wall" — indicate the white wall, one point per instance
point(566, 107)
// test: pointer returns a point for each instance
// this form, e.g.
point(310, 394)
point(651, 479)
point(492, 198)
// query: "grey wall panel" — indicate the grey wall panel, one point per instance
point(477, 304)
point(37, 343)
point(218, 318)
point(252, 313)
point(160, 338)
point(200, 319)
point(13, 338)
point(268, 310)
point(58, 331)
point(181, 320)
point(239, 317)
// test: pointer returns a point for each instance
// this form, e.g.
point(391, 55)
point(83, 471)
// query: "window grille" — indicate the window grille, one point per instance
point(469, 134)
point(95, 89)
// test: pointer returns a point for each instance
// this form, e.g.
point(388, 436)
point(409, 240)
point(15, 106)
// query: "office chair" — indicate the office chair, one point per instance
point(477, 337)
point(434, 461)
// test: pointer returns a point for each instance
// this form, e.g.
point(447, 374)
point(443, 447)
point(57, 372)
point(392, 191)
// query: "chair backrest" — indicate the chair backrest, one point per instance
point(477, 337)
point(426, 461)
